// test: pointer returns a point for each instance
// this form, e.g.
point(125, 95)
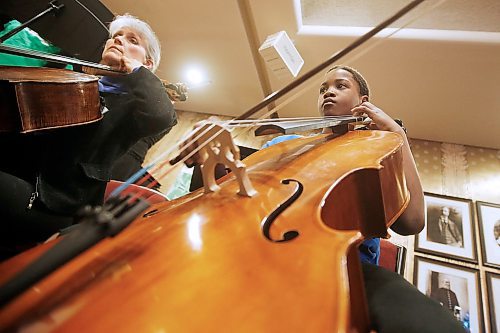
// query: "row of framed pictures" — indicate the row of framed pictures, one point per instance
point(449, 229)
point(457, 288)
point(450, 233)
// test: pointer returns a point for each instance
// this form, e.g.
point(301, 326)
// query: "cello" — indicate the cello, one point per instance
point(199, 265)
point(296, 236)
point(37, 99)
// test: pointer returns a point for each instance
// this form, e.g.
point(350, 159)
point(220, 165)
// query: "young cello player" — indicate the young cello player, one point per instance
point(394, 304)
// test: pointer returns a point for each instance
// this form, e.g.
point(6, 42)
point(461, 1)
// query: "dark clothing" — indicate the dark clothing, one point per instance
point(140, 149)
point(71, 166)
point(444, 231)
point(145, 110)
point(396, 306)
point(131, 162)
point(446, 297)
point(22, 228)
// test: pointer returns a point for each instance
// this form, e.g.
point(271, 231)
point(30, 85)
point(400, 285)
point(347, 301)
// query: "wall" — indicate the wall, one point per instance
point(464, 172)
point(455, 170)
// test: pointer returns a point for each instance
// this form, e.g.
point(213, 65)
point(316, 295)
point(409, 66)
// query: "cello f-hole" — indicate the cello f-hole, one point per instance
point(151, 213)
point(266, 223)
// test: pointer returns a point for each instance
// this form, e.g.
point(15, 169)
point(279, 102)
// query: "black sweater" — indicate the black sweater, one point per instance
point(77, 161)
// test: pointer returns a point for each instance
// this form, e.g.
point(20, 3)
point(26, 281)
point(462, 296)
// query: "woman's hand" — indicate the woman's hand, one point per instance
point(128, 65)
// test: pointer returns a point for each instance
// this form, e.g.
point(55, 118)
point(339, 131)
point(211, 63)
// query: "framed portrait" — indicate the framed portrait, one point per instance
point(489, 226)
point(493, 283)
point(456, 288)
point(449, 228)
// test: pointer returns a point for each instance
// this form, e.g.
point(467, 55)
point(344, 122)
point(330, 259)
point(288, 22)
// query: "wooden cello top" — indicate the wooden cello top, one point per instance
point(42, 74)
point(202, 263)
point(45, 98)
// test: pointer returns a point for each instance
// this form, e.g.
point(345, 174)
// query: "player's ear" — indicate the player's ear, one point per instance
point(364, 98)
point(148, 64)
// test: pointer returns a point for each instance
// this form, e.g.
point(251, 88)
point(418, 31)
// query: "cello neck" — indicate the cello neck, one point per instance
point(57, 58)
point(294, 126)
point(176, 91)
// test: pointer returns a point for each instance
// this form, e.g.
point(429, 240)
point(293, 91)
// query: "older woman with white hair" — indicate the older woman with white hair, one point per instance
point(59, 171)
point(132, 44)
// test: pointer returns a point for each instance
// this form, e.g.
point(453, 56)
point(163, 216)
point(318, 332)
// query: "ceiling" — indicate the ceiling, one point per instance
point(444, 83)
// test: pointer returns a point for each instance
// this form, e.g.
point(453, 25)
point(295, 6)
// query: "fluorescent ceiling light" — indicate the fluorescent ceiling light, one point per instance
point(424, 34)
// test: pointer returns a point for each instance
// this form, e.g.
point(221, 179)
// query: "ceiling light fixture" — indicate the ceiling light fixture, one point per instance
point(195, 77)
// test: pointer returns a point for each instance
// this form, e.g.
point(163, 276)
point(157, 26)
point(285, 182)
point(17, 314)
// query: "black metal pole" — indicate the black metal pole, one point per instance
point(53, 6)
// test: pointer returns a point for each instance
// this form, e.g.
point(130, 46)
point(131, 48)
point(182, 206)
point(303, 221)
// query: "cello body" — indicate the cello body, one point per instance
point(219, 262)
point(44, 98)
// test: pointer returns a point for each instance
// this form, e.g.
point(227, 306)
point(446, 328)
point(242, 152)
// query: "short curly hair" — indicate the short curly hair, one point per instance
point(153, 48)
point(363, 85)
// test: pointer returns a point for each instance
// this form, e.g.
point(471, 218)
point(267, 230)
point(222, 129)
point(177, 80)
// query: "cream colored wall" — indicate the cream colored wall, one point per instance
point(457, 170)
point(464, 172)
point(454, 170)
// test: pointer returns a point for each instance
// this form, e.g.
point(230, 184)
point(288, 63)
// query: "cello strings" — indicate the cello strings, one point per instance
point(267, 114)
point(230, 127)
point(157, 164)
point(162, 158)
point(298, 120)
point(161, 161)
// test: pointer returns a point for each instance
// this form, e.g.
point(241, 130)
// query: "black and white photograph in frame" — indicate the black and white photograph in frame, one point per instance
point(449, 228)
point(456, 288)
point(493, 283)
point(489, 226)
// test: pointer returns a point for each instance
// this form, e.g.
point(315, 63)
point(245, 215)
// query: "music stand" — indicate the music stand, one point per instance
point(75, 30)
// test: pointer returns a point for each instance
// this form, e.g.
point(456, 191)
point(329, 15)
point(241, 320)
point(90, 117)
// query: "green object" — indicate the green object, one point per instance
point(181, 184)
point(27, 39)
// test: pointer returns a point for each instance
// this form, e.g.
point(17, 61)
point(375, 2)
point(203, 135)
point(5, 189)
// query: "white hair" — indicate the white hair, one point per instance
point(153, 49)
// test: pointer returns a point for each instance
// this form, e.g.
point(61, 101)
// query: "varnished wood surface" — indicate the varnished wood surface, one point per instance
point(44, 98)
point(201, 264)
point(42, 74)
